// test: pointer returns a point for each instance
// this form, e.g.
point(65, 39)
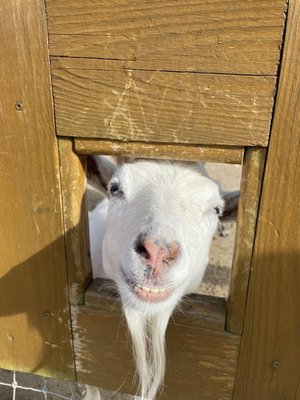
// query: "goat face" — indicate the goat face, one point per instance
point(160, 223)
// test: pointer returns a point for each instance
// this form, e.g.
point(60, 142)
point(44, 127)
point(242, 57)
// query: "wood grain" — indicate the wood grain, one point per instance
point(230, 155)
point(35, 334)
point(250, 191)
point(75, 212)
point(103, 355)
point(105, 99)
point(269, 365)
point(240, 37)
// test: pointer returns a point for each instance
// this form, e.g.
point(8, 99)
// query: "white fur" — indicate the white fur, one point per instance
point(97, 218)
point(175, 202)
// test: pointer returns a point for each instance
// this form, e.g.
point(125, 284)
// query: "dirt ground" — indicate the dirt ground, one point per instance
point(217, 276)
point(215, 282)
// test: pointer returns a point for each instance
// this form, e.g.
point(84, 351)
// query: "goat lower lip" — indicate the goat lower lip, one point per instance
point(151, 294)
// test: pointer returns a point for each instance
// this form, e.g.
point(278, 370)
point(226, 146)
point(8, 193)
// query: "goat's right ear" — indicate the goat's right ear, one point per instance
point(99, 172)
point(231, 205)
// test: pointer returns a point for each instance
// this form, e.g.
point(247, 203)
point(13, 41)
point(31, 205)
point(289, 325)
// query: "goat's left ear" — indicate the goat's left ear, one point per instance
point(99, 172)
point(231, 204)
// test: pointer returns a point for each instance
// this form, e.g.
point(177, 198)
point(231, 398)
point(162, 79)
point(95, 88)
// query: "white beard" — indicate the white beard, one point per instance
point(148, 341)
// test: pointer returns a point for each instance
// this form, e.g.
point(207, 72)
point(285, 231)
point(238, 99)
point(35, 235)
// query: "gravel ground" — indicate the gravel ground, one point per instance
point(215, 283)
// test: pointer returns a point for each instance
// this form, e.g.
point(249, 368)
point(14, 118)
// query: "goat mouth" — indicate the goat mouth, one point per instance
point(151, 294)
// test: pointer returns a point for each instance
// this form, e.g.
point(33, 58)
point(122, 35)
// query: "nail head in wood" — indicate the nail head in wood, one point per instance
point(19, 105)
point(275, 364)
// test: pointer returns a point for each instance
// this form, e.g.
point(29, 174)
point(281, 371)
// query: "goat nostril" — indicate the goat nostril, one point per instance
point(141, 250)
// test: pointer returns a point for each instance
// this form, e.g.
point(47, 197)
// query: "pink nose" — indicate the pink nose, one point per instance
point(155, 254)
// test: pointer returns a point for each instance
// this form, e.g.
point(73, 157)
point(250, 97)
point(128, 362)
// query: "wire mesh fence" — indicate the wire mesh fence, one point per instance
point(12, 388)
point(21, 386)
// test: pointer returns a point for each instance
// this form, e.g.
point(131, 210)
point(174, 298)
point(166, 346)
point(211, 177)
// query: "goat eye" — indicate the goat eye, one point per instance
point(217, 210)
point(114, 189)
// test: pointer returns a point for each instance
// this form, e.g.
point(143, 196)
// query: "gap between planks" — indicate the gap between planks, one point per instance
point(130, 67)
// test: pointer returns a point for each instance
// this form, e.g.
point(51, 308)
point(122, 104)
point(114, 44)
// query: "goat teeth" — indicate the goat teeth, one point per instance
point(151, 290)
point(155, 290)
point(151, 294)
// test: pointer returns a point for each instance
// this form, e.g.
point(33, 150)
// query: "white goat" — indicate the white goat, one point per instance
point(159, 222)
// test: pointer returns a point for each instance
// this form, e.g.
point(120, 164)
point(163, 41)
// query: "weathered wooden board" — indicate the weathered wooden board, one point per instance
point(73, 182)
point(35, 335)
point(269, 365)
point(250, 191)
point(231, 36)
point(230, 155)
point(105, 99)
point(198, 358)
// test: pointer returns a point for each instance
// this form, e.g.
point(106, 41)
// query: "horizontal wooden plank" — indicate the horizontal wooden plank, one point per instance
point(195, 309)
point(96, 98)
point(103, 355)
point(229, 36)
point(230, 155)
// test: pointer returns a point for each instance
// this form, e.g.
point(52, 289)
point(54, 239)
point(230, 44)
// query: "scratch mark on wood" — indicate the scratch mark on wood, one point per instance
point(271, 223)
point(136, 90)
point(122, 109)
point(52, 345)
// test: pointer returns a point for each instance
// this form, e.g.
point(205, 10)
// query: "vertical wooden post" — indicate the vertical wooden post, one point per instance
point(75, 219)
point(35, 334)
point(252, 174)
point(269, 363)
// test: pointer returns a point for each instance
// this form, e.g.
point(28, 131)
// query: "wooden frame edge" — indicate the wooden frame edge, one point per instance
point(222, 154)
point(73, 181)
point(250, 191)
